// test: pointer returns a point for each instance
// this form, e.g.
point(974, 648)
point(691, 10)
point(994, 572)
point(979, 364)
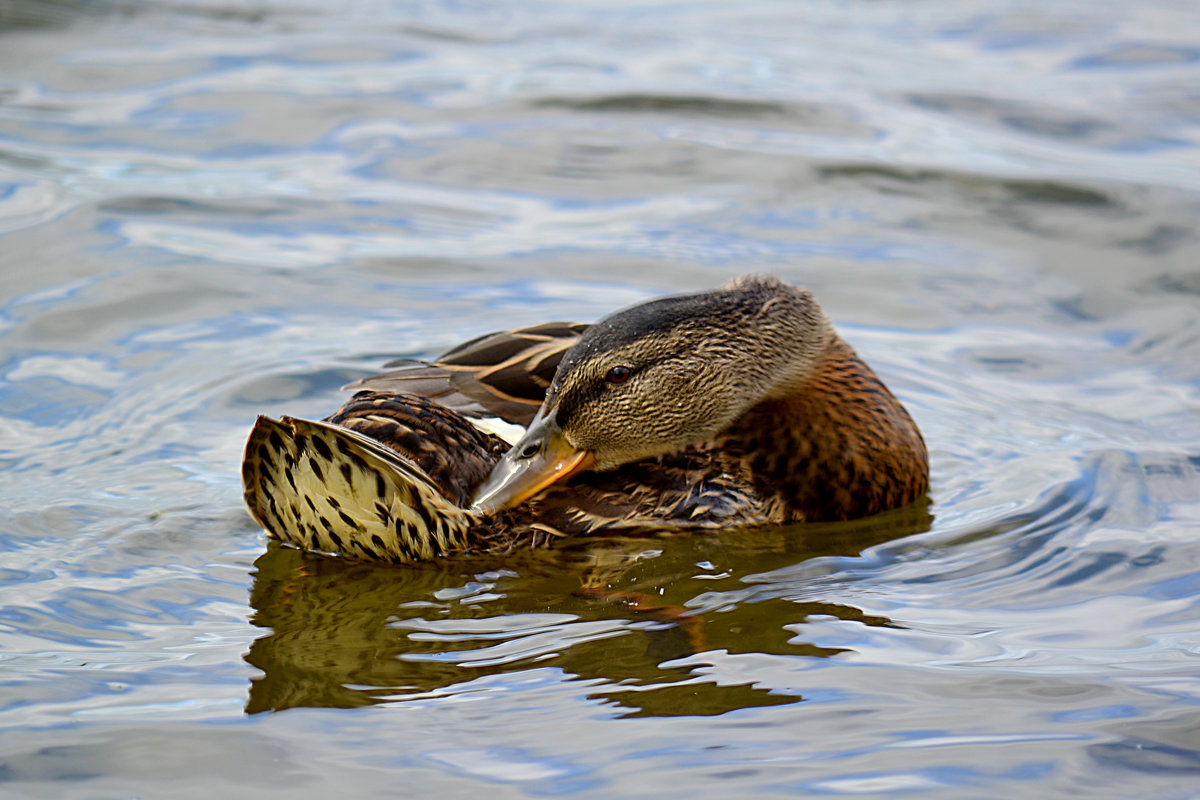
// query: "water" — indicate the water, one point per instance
point(211, 211)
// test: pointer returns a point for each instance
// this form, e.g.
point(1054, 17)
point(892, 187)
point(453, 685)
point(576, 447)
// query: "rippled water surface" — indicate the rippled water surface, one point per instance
point(210, 211)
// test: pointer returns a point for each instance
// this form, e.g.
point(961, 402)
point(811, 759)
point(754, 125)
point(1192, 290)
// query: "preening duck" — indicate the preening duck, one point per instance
point(735, 407)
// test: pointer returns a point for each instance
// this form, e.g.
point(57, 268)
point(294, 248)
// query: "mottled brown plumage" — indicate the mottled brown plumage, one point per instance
point(453, 453)
point(503, 374)
point(729, 408)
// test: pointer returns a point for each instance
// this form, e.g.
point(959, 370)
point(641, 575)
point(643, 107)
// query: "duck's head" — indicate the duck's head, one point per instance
point(660, 376)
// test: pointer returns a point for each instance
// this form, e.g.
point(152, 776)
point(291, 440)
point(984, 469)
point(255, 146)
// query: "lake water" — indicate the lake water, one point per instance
point(212, 210)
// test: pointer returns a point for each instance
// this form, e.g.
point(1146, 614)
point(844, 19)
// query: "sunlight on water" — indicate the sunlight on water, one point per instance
point(214, 211)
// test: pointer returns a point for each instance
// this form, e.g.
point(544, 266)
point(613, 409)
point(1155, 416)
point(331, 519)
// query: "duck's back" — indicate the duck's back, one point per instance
point(503, 374)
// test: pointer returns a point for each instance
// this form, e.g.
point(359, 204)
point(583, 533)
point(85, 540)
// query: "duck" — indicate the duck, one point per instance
point(731, 408)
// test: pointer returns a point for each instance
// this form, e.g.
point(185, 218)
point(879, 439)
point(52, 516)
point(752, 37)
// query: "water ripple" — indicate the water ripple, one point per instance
point(211, 212)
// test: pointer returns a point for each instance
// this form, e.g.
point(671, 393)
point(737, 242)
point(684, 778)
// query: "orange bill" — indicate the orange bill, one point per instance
point(542, 457)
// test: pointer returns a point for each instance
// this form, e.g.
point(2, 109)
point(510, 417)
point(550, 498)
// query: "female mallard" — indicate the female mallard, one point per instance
point(740, 406)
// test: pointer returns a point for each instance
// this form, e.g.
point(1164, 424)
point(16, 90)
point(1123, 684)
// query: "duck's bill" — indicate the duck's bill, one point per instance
point(518, 477)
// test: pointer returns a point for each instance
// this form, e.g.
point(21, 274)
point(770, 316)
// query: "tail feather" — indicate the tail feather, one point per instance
point(323, 487)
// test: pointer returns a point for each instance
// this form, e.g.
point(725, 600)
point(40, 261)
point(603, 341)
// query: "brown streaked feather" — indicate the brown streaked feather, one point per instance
point(503, 374)
point(693, 489)
point(331, 489)
point(326, 486)
point(454, 454)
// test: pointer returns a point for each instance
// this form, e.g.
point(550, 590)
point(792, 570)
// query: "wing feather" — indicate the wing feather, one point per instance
point(323, 487)
point(502, 374)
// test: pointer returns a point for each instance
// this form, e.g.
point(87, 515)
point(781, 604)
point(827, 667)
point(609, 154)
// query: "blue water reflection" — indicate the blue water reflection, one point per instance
point(207, 213)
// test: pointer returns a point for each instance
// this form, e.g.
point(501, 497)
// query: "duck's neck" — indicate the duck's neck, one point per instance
point(839, 447)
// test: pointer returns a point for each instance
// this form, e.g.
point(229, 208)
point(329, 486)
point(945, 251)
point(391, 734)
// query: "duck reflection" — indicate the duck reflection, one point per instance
point(344, 634)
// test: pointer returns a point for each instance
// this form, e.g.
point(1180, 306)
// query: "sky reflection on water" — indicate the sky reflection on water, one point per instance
point(209, 212)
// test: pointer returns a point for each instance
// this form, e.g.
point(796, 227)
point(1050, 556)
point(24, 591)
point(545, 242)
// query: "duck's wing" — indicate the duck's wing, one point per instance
point(329, 488)
point(445, 446)
point(502, 374)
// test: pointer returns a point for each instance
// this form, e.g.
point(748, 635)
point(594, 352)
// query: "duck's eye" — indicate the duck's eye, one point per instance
point(618, 374)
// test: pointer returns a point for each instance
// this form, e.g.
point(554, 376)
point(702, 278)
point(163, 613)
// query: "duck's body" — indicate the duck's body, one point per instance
point(731, 408)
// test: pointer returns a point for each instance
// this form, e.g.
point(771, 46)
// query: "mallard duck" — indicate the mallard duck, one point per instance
point(735, 407)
